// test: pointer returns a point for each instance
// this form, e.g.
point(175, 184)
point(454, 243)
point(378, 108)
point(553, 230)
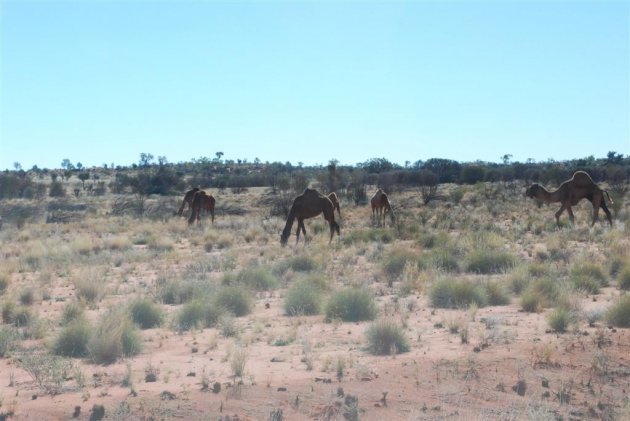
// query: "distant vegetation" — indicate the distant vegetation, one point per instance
point(160, 177)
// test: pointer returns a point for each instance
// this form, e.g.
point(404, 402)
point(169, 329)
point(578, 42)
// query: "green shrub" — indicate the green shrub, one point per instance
point(549, 289)
point(303, 298)
point(146, 314)
point(351, 305)
point(385, 338)
point(488, 261)
point(454, 293)
point(623, 278)
point(8, 309)
point(73, 339)
point(234, 300)
point(519, 281)
point(559, 319)
point(115, 336)
point(178, 291)
point(619, 314)
point(496, 293)
point(442, 258)
point(197, 314)
point(89, 290)
point(585, 283)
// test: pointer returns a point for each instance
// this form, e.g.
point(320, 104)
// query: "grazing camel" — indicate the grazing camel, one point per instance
point(188, 199)
point(335, 201)
point(202, 200)
point(380, 205)
point(570, 192)
point(308, 205)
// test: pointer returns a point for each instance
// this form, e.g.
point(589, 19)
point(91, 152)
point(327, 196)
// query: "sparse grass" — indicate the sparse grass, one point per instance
point(72, 340)
point(173, 290)
point(114, 337)
point(542, 292)
point(8, 340)
point(386, 338)
point(496, 293)
point(27, 296)
point(4, 282)
point(450, 292)
point(300, 263)
point(351, 305)
point(146, 314)
point(303, 298)
point(588, 277)
point(89, 286)
point(619, 314)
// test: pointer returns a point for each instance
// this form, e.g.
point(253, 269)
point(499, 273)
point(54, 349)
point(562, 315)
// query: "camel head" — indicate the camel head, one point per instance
point(284, 237)
point(534, 191)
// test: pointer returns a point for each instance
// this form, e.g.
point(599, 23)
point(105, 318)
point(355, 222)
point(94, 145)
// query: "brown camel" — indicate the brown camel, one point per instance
point(188, 199)
point(580, 186)
point(335, 201)
point(380, 205)
point(202, 200)
point(308, 205)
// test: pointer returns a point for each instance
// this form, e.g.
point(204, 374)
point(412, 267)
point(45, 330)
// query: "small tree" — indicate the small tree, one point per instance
point(84, 176)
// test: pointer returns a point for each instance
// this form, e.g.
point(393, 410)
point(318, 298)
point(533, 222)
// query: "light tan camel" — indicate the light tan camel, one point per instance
point(570, 192)
point(188, 199)
point(202, 200)
point(308, 205)
point(380, 205)
point(335, 201)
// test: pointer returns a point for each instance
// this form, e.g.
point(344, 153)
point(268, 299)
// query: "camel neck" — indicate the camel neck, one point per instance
point(550, 197)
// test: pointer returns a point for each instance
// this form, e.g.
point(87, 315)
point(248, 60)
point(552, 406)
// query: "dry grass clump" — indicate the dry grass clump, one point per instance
point(449, 292)
point(588, 277)
point(145, 313)
point(114, 337)
point(5, 280)
point(619, 314)
point(8, 340)
point(386, 338)
point(84, 245)
point(89, 286)
point(234, 300)
point(118, 243)
point(197, 314)
point(72, 340)
point(173, 290)
point(623, 278)
point(542, 292)
point(72, 311)
point(560, 319)
point(394, 262)
point(487, 261)
point(351, 305)
point(160, 244)
point(299, 263)
point(256, 279)
point(303, 298)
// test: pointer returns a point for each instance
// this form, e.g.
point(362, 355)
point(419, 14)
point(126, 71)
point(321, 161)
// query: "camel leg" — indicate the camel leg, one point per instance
point(571, 216)
point(597, 201)
point(607, 212)
point(562, 208)
point(300, 227)
point(212, 214)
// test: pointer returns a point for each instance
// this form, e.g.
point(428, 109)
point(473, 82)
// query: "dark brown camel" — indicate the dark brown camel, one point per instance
point(308, 205)
point(380, 205)
point(335, 201)
point(580, 186)
point(188, 199)
point(202, 200)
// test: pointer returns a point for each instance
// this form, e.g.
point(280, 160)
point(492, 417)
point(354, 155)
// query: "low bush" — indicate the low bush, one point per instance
point(623, 278)
point(559, 319)
point(351, 305)
point(496, 293)
point(72, 311)
point(258, 279)
point(197, 314)
point(386, 338)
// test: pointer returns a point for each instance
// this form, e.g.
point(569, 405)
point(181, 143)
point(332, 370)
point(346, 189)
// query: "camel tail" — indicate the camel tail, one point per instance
point(610, 202)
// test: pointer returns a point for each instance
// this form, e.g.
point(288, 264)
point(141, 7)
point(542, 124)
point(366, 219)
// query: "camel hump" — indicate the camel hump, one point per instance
point(310, 193)
point(582, 178)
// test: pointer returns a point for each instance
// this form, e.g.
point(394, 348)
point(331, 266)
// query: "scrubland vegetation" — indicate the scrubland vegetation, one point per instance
point(472, 304)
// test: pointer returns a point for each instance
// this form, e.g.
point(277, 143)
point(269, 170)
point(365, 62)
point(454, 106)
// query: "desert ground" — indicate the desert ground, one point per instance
point(496, 313)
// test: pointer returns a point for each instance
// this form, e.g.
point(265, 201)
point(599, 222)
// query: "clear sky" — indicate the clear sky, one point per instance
point(103, 81)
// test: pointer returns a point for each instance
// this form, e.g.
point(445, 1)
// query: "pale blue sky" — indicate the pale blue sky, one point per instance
point(102, 81)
